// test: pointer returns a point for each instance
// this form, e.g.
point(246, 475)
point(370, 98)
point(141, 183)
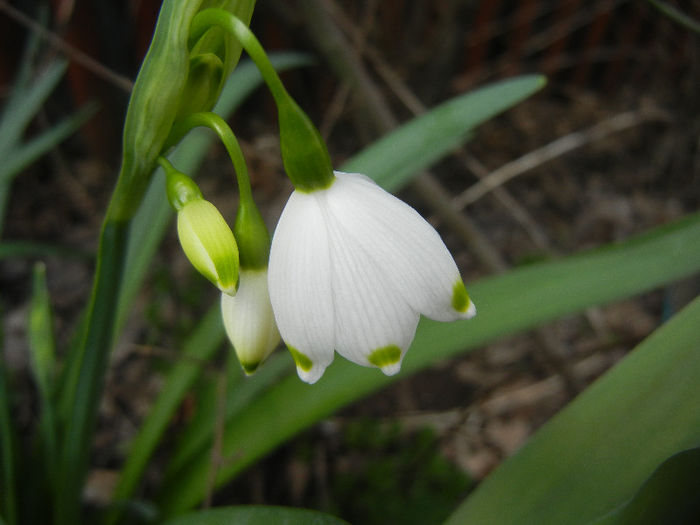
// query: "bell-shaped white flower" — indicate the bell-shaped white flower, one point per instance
point(352, 268)
point(249, 321)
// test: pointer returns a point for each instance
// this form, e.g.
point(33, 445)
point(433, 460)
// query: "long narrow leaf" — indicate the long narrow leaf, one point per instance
point(256, 515)
point(198, 349)
point(593, 456)
point(198, 435)
point(29, 152)
point(394, 159)
point(22, 109)
point(519, 300)
point(670, 495)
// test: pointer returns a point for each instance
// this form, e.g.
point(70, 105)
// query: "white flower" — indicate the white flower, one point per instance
point(352, 268)
point(249, 321)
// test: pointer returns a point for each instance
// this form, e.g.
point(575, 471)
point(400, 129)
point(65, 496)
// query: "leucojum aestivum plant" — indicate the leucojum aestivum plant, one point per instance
point(349, 269)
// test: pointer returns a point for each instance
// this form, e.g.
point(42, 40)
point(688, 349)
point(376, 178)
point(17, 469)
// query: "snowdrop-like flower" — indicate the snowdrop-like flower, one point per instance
point(249, 321)
point(351, 269)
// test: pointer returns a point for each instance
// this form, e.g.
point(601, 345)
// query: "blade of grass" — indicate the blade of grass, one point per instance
point(593, 456)
point(515, 301)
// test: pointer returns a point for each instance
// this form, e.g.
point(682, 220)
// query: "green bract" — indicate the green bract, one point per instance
point(304, 152)
point(181, 73)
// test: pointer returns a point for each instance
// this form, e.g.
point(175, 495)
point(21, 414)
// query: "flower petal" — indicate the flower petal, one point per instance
point(300, 284)
point(415, 259)
point(374, 325)
point(249, 321)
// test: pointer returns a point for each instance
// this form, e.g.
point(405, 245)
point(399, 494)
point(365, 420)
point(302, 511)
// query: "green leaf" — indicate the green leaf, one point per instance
point(669, 496)
point(30, 151)
point(515, 301)
point(22, 108)
point(592, 456)
point(41, 340)
point(394, 159)
point(256, 515)
point(12, 249)
point(197, 437)
point(675, 14)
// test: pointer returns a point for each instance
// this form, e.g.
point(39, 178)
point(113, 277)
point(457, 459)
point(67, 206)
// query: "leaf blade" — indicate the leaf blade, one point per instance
point(591, 457)
point(508, 303)
point(395, 158)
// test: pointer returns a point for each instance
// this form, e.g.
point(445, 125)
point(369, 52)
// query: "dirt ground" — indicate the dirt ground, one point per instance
point(607, 150)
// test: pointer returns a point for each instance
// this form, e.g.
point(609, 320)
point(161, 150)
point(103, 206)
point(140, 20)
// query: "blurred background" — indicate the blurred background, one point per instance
point(610, 148)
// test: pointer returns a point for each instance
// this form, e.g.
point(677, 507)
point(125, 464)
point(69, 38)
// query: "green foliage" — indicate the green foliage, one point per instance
point(593, 455)
point(395, 478)
point(256, 515)
point(26, 100)
point(515, 301)
point(669, 496)
point(396, 158)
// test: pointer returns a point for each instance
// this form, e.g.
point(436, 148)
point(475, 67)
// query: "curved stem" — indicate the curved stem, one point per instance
point(251, 233)
point(225, 134)
point(218, 17)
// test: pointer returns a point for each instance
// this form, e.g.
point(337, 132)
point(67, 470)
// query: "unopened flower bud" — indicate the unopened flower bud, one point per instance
point(209, 243)
point(249, 321)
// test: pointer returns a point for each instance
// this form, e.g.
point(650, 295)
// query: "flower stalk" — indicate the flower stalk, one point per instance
point(304, 153)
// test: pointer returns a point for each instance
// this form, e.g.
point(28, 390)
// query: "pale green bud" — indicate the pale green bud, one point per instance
point(209, 244)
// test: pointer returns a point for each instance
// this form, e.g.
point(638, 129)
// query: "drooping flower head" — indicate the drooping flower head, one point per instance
point(206, 239)
point(351, 269)
point(248, 318)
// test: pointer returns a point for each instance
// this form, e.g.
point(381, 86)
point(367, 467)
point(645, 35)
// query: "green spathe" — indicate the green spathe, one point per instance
point(385, 356)
point(209, 244)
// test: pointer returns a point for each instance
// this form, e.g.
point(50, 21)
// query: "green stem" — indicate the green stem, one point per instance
point(85, 384)
point(250, 231)
point(225, 134)
point(304, 153)
point(218, 17)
